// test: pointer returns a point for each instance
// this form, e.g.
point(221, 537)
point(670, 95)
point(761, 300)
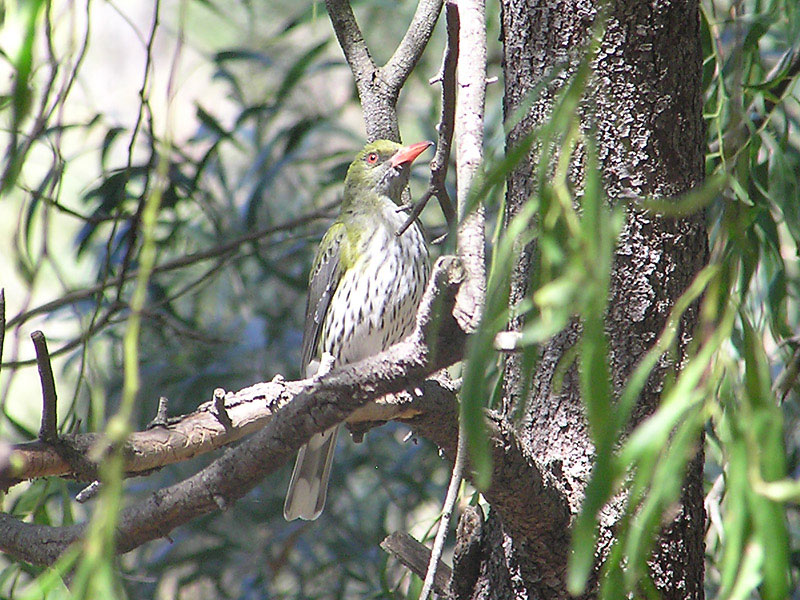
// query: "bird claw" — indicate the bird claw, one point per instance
point(325, 365)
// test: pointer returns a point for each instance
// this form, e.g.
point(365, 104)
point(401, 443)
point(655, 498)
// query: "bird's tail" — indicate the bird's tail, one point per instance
point(308, 488)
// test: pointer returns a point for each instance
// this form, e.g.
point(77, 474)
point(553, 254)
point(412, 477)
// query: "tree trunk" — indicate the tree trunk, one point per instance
point(645, 105)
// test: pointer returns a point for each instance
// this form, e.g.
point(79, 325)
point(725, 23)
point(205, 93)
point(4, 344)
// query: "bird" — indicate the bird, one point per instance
point(365, 286)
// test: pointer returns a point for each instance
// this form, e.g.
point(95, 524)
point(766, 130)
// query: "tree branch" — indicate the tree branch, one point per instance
point(437, 183)
point(351, 40)
point(316, 405)
point(289, 413)
point(409, 51)
point(415, 556)
point(227, 248)
point(378, 88)
point(180, 438)
point(48, 432)
point(469, 156)
point(527, 496)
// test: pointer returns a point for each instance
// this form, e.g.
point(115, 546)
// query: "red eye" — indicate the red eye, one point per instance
point(372, 158)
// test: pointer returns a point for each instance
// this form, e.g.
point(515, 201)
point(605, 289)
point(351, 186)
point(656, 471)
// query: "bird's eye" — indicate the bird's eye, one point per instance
point(372, 158)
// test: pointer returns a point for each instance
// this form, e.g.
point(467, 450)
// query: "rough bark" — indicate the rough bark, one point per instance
point(645, 105)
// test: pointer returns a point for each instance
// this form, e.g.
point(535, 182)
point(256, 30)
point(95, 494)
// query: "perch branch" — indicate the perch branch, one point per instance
point(526, 496)
point(248, 410)
point(317, 405)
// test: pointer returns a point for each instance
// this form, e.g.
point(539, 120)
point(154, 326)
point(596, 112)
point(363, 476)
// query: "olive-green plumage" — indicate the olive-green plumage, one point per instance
point(364, 289)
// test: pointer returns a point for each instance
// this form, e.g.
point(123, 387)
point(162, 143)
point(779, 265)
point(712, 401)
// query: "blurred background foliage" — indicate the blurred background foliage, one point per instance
point(253, 110)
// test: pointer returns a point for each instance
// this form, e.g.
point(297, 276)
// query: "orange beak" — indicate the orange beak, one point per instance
point(407, 154)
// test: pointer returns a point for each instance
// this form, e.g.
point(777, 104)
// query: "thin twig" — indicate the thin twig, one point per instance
point(99, 324)
point(447, 76)
point(447, 513)
point(2, 322)
point(49, 428)
point(410, 48)
point(178, 263)
point(16, 152)
point(220, 411)
point(416, 210)
point(162, 414)
point(448, 115)
point(134, 224)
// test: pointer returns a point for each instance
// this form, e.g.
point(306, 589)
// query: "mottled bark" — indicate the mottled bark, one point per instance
point(644, 103)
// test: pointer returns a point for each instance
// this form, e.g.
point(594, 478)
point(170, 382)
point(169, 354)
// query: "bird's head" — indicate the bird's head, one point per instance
point(382, 167)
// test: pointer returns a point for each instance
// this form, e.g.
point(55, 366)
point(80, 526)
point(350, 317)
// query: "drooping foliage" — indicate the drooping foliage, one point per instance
point(237, 129)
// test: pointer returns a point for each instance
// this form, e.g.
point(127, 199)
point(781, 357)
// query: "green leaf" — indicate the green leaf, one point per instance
point(296, 72)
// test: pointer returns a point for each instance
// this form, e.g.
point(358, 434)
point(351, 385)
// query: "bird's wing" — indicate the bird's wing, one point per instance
point(323, 280)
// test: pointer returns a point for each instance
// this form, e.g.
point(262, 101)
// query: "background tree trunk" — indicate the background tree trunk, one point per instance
point(645, 105)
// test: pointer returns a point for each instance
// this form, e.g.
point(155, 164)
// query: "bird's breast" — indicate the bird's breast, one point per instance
point(375, 303)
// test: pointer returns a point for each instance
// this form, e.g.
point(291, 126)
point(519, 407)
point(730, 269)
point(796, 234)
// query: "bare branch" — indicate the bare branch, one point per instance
point(448, 115)
point(101, 322)
point(526, 495)
point(415, 556)
point(348, 33)
point(48, 432)
point(469, 156)
point(410, 49)
point(440, 161)
point(248, 410)
point(378, 88)
point(447, 513)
